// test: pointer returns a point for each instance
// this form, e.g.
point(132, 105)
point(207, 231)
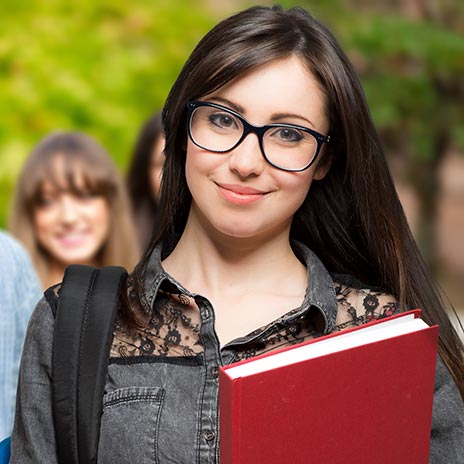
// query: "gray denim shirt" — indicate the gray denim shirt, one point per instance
point(164, 409)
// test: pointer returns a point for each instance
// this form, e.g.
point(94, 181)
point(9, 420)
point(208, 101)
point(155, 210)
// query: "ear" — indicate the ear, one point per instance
point(323, 165)
point(321, 170)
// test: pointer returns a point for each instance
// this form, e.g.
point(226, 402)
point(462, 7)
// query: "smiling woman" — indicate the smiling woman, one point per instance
point(70, 207)
point(270, 172)
point(269, 233)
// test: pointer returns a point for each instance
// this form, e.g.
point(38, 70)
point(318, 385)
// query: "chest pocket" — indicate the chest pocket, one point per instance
point(130, 425)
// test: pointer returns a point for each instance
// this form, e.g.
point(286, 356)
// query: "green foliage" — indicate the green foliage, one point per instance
point(411, 68)
point(101, 67)
point(412, 73)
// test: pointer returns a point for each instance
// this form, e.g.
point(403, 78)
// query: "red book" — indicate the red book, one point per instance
point(360, 396)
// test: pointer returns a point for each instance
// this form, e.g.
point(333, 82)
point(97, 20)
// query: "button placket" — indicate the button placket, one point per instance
point(209, 420)
point(209, 435)
point(214, 372)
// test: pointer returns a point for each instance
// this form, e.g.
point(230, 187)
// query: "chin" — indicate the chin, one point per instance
point(77, 258)
point(240, 231)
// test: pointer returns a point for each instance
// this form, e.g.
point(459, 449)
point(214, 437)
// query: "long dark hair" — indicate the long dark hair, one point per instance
point(139, 188)
point(352, 219)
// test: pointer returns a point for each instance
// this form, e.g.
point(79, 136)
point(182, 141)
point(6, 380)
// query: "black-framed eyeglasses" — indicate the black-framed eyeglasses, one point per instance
point(219, 129)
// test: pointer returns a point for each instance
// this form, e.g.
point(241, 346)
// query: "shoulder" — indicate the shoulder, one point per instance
point(19, 283)
point(12, 252)
point(7, 240)
point(39, 336)
point(359, 303)
point(51, 296)
point(447, 436)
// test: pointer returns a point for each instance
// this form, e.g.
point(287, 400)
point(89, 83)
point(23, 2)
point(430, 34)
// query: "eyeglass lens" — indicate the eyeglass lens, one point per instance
point(286, 147)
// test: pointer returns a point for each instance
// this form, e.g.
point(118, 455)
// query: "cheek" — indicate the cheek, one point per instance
point(45, 224)
point(200, 163)
point(297, 199)
point(98, 211)
point(155, 178)
point(296, 186)
point(194, 166)
point(193, 157)
point(155, 172)
point(43, 220)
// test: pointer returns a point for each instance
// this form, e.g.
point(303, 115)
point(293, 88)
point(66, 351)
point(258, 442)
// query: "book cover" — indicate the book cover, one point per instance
point(364, 396)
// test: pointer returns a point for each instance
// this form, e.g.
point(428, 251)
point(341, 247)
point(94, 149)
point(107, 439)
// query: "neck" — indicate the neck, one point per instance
point(55, 272)
point(210, 263)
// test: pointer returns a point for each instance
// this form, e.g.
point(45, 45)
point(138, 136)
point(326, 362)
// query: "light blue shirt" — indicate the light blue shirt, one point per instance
point(19, 292)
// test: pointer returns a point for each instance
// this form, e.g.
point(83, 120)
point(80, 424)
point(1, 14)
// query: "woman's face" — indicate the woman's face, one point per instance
point(71, 227)
point(238, 193)
point(156, 166)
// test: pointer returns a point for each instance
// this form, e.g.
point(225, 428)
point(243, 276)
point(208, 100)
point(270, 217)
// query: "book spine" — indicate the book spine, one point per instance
point(229, 419)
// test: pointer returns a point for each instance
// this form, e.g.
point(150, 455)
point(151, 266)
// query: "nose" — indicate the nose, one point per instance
point(68, 209)
point(247, 160)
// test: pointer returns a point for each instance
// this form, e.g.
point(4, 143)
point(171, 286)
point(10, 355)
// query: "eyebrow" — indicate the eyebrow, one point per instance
point(274, 118)
point(229, 104)
point(279, 116)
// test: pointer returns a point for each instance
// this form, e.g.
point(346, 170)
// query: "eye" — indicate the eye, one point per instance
point(85, 194)
point(46, 200)
point(288, 134)
point(223, 120)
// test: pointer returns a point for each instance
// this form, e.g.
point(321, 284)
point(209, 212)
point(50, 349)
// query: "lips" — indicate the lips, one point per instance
point(240, 194)
point(72, 239)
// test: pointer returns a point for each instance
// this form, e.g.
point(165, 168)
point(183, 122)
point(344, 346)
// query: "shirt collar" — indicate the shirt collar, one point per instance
point(320, 292)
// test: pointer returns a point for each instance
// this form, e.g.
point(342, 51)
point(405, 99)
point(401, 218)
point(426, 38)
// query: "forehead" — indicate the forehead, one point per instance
point(284, 86)
point(63, 173)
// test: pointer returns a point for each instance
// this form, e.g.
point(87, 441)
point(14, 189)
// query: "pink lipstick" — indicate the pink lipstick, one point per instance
point(240, 194)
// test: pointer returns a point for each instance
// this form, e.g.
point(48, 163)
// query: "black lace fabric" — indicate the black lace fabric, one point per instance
point(355, 307)
point(360, 306)
point(172, 328)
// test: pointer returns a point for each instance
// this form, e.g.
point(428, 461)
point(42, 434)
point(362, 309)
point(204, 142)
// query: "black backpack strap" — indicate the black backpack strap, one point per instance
point(82, 339)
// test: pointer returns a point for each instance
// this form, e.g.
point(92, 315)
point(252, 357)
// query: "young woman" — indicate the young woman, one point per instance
point(144, 177)
point(70, 207)
point(276, 204)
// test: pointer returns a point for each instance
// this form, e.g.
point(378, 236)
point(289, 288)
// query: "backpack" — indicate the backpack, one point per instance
point(82, 338)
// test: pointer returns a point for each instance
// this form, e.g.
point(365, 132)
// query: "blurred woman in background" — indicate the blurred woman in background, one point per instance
point(70, 207)
point(144, 176)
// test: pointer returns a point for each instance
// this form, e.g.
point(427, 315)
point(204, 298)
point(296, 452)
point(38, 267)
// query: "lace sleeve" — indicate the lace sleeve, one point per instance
point(357, 306)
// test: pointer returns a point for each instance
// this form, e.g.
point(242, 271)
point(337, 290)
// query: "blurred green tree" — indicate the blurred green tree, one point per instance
point(410, 56)
point(100, 67)
point(411, 59)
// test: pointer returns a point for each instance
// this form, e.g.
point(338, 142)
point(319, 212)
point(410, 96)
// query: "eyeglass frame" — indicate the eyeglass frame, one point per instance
point(259, 131)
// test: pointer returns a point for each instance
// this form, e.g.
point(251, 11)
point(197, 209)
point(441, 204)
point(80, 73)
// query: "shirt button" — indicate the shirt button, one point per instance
point(209, 435)
point(215, 372)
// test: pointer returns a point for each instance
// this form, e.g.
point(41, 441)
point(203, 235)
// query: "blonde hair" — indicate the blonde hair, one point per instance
point(83, 158)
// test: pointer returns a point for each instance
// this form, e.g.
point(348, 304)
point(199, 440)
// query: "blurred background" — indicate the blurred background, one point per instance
point(104, 67)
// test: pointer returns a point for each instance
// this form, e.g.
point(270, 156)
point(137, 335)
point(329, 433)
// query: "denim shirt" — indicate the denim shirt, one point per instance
point(20, 291)
point(161, 396)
